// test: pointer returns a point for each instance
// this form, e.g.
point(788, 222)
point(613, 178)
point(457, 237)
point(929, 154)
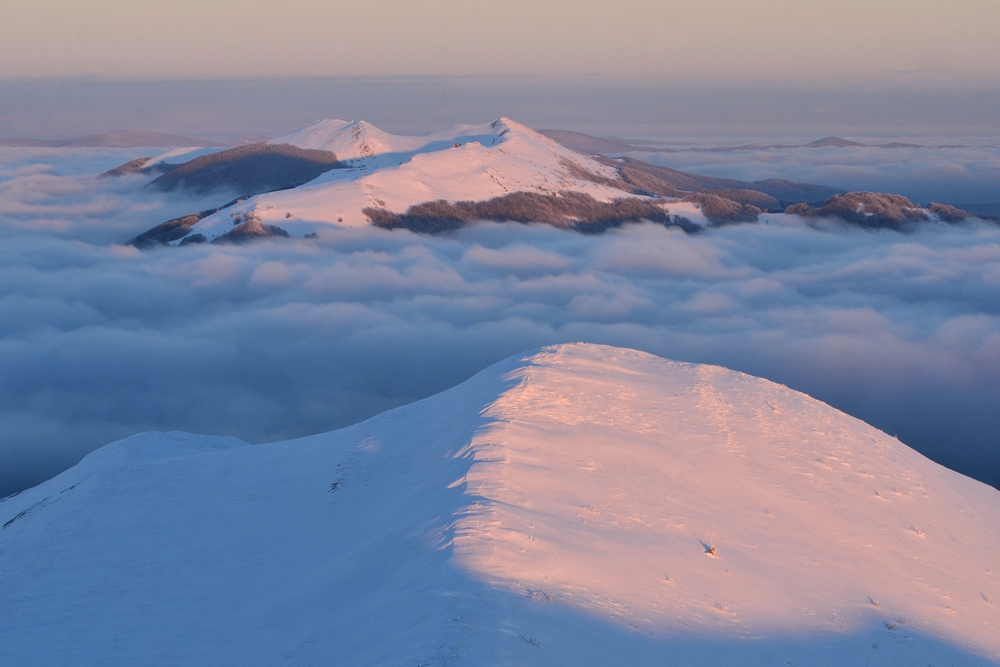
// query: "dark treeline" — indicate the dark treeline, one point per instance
point(245, 228)
point(948, 213)
point(876, 210)
point(754, 198)
point(723, 207)
point(568, 210)
point(173, 230)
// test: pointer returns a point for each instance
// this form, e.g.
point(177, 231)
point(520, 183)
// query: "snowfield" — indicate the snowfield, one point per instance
point(381, 174)
point(574, 505)
point(461, 163)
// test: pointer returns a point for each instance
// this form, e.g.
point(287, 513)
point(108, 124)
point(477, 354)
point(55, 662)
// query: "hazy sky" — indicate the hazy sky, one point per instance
point(921, 41)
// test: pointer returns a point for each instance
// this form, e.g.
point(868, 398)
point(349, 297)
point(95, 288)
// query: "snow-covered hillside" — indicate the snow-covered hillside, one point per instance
point(466, 162)
point(577, 505)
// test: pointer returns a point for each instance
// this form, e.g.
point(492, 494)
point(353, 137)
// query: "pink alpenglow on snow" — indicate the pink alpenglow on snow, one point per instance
point(577, 505)
point(464, 162)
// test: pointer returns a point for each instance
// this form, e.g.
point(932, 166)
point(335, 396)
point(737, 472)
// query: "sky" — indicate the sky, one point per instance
point(919, 42)
point(635, 68)
point(711, 115)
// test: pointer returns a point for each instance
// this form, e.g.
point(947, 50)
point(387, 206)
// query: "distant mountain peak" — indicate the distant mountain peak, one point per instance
point(588, 144)
point(120, 139)
point(831, 142)
point(384, 171)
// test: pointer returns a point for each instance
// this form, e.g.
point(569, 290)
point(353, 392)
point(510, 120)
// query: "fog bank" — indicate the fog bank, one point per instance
point(279, 339)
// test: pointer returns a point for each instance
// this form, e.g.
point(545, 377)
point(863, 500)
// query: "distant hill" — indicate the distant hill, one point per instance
point(785, 191)
point(249, 169)
point(879, 210)
point(482, 164)
point(117, 139)
point(789, 191)
point(346, 173)
point(584, 143)
point(34, 143)
point(828, 142)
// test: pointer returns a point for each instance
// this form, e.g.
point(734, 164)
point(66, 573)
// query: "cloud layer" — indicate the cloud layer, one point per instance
point(963, 175)
point(280, 339)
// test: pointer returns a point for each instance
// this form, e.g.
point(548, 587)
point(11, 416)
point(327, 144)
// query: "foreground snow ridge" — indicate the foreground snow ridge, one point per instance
point(577, 505)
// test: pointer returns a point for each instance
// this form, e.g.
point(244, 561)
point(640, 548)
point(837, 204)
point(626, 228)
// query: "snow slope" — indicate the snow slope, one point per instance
point(576, 505)
point(465, 162)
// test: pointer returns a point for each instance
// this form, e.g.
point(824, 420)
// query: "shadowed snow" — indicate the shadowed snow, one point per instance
point(565, 506)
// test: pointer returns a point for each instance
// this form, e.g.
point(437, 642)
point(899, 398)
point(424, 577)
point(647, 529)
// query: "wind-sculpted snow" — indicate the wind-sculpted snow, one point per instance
point(280, 339)
point(574, 505)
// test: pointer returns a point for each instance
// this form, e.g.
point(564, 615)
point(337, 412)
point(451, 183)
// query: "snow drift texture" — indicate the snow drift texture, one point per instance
point(577, 505)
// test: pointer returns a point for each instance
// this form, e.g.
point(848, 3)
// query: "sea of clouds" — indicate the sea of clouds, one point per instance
point(968, 172)
point(274, 340)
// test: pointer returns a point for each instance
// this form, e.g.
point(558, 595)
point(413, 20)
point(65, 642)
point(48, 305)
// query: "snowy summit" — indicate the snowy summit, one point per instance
point(337, 173)
point(466, 162)
point(577, 505)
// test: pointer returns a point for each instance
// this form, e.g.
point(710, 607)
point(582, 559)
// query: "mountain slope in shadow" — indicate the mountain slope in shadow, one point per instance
point(574, 505)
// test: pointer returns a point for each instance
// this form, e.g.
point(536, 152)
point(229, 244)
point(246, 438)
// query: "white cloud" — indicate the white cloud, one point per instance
point(950, 175)
point(279, 339)
point(517, 260)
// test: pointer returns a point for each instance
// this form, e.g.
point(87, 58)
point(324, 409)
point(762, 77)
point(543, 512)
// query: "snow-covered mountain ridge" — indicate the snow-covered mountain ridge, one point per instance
point(578, 505)
point(461, 163)
point(337, 173)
